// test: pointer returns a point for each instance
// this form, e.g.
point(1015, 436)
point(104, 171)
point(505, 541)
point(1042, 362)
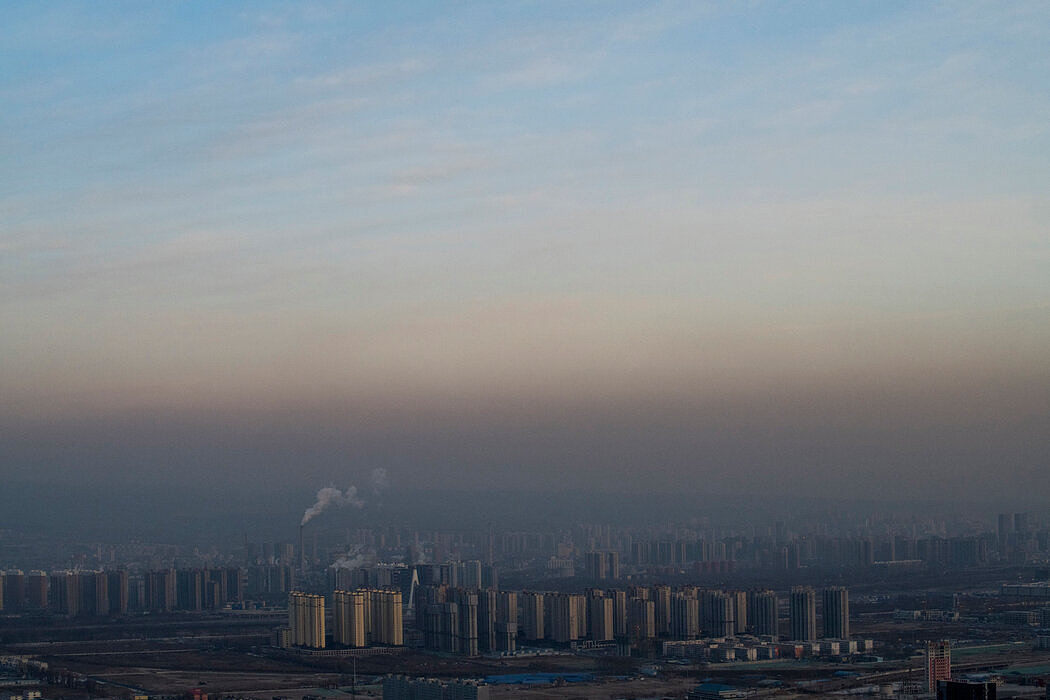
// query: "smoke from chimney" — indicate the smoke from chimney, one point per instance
point(380, 482)
point(330, 496)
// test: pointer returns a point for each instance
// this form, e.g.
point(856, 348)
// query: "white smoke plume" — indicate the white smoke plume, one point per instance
point(380, 481)
point(356, 557)
point(330, 496)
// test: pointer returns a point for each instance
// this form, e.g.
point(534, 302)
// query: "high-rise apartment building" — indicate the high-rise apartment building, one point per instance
point(594, 565)
point(64, 593)
point(348, 618)
point(161, 590)
point(803, 613)
point(763, 614)
point(506, 636)
point(836, 612)
point(386, 617)
point(468, 575)
point(641, 620)
point(600, 566)
point(271, 579)
point(488, 610)
point(467, 600)
point(189, 589)
point(739, 599)
point(94, 592)
point(938, 663)
point(619, 602)
point(716, 614)
point(441, 627)
point(1006, 524)
point(37, 586)
point(661, 597)
point(424, 597)
point(532, 615)
point(506, 628)
point(582, 613)
point(567, 623)
point(14, 596)
point(685, 614)
point(452, 626)
point(306, 620)
point(118, 591)
point(600, 618)
point(507, 606)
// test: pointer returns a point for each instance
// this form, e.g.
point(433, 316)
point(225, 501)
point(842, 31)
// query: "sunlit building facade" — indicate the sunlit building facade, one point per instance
point(306, 620)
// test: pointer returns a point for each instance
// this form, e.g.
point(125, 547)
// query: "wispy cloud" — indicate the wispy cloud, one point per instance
point(543, 71)
point(382, 74)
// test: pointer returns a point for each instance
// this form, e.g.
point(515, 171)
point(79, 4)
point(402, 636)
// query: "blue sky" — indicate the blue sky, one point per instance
point(503, 207)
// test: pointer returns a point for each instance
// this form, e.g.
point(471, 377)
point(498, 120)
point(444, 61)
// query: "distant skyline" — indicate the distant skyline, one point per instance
point(773, 247)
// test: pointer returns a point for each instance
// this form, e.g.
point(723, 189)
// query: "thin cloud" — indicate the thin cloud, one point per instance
point(542, 72)
point(372, 75)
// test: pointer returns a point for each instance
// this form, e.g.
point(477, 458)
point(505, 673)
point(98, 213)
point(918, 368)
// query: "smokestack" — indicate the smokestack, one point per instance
point(302, 553)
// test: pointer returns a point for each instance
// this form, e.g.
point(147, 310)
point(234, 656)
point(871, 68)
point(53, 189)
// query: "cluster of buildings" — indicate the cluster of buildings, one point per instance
point(115, 592)
point(457, 574)
point(794, 553)
point(467, 621)
point(751, 648)
point(269, 582)
point(682, 621)
point(598, 554)
point(306, 622)
point(24, 591)
point(65, 592)
point(360, 618)
point(835, 618)
point(403, 688)
point(23, 695)
point(165, 590)
point(368, 616)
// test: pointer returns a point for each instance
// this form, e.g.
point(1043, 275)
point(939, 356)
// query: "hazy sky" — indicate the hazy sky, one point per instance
point(717, 246)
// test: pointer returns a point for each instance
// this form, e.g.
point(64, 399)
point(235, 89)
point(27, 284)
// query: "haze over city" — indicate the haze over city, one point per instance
point(782, 249)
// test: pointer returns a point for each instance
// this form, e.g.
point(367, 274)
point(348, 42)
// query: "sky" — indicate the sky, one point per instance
point(774, 247)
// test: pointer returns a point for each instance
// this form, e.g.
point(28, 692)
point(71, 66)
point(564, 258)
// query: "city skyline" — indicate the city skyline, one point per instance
point(678, 247)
